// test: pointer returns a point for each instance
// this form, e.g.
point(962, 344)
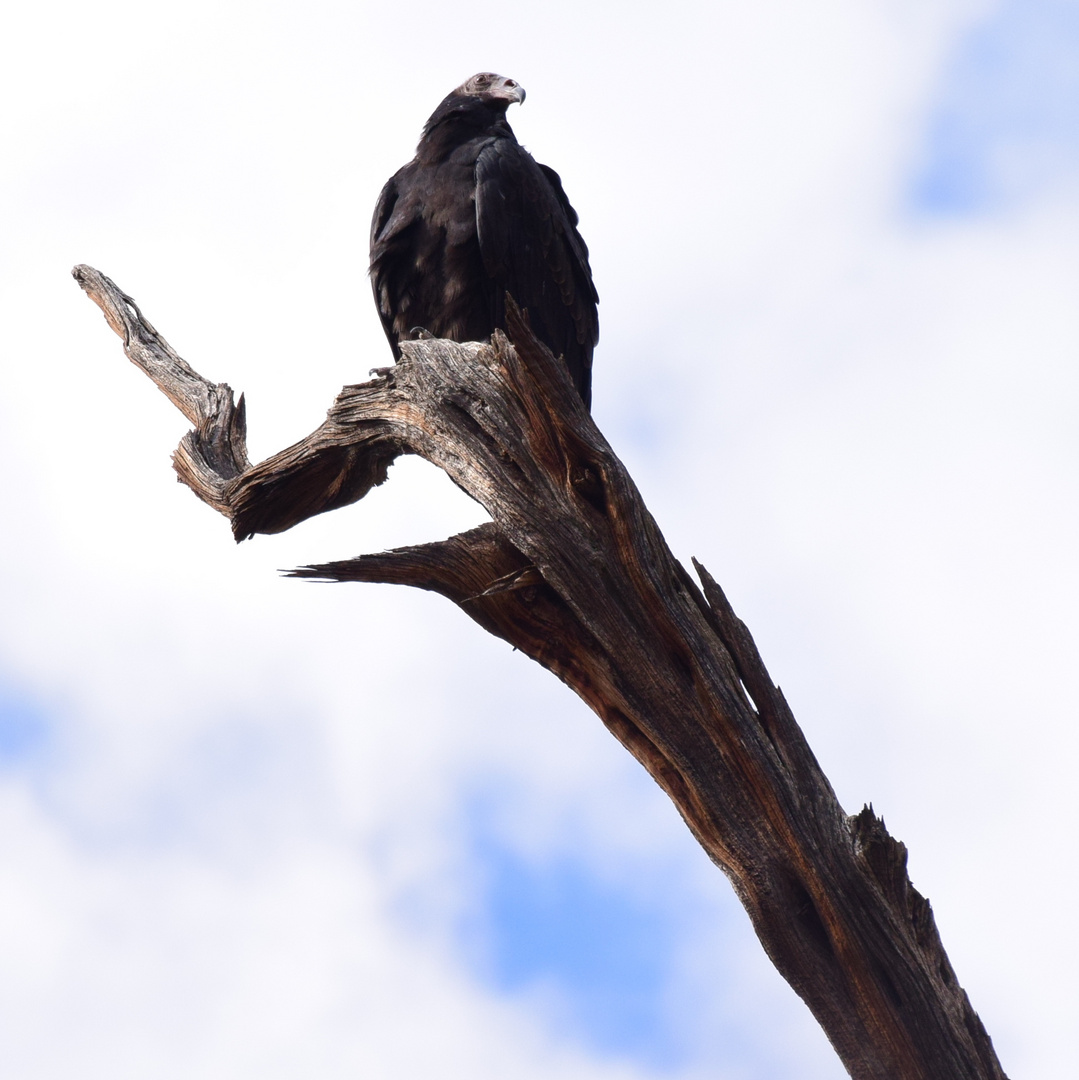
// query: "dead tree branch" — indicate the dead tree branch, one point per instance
point(573, 571)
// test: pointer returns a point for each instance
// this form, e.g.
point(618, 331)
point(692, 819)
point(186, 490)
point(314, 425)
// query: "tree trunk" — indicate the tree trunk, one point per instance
point(573, 571)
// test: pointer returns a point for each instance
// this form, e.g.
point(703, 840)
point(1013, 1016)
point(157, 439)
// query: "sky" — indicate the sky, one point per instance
point(252, 826)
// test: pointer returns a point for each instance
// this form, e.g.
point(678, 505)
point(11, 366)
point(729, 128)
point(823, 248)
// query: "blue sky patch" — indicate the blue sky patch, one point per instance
point(603, 952)
point(23, 728)
point(1006, 121)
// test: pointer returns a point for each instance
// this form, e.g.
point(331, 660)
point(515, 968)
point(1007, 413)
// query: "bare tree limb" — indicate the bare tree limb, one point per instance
point(573, 571)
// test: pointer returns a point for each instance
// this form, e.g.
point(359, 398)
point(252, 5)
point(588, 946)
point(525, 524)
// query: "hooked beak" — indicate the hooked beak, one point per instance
point(509, 90)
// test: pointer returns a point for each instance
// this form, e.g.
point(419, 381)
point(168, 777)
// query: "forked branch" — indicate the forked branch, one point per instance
point(573, 571)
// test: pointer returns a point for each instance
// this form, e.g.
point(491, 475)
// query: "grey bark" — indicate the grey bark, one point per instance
point(573, 571)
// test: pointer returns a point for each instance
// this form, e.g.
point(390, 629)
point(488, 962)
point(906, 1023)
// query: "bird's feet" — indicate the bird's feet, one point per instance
point(418, 333)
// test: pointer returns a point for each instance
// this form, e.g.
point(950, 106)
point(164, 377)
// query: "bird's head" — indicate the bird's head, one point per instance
point(493, 88)
point(475, 106)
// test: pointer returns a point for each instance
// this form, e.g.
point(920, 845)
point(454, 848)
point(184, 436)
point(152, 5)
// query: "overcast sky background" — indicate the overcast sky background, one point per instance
point(252, 827)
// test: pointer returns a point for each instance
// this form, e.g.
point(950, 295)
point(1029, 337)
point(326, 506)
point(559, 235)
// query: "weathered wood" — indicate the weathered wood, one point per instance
point(573, 571)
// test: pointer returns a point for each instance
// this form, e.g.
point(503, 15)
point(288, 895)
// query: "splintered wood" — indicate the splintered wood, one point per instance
point(573, 571)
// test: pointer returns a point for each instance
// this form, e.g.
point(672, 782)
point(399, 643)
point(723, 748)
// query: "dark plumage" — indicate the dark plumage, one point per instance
point(472, 217)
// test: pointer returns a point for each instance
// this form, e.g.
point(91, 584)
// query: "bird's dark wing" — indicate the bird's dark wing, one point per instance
point(386, 279)
point(425, 264)
point(530, 247)
point(387, 200)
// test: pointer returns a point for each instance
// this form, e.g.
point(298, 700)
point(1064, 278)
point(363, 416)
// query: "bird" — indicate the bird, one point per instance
point(472, 217)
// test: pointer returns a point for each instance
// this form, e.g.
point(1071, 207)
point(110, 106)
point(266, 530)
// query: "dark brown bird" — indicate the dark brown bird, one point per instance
point(472, 217)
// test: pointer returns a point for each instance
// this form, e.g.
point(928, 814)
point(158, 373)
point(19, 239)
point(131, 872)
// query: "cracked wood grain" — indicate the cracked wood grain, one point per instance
point(573, 571)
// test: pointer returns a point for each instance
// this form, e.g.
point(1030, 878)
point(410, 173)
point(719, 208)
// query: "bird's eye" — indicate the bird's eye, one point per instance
point(510, 82)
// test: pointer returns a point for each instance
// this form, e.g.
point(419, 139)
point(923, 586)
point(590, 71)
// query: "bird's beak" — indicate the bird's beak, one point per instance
point(510, 91)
